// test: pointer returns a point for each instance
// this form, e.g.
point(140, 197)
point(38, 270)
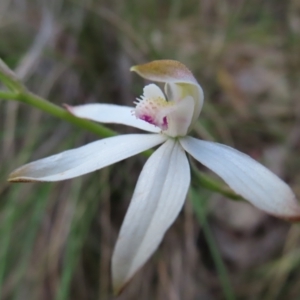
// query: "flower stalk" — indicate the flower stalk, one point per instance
point(54, 110)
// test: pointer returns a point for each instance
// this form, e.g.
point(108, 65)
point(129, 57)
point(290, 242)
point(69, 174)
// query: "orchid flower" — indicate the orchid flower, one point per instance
point(163, 184)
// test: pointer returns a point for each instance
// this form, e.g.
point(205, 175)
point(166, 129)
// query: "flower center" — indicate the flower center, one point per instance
point(172, 117)
point(153, 110)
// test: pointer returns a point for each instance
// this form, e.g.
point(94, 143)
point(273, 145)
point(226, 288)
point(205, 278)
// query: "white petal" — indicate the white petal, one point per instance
point(153, 91)
point(246, 177)
point(157, 200)
point(110, 113)
point(86, 159)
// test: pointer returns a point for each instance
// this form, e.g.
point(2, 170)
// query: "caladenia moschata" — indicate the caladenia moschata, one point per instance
point(164, 181)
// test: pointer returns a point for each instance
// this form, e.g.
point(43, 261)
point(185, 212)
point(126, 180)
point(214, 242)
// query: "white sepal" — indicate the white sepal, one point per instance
point(157, 200)
point(246, 177)
point(86, 159)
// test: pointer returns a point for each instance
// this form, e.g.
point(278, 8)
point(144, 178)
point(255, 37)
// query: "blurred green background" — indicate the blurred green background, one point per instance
point(56, 239)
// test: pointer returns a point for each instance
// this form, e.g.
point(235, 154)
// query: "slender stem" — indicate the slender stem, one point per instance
point(8, 95)
point(54, 110)
point(63, 114)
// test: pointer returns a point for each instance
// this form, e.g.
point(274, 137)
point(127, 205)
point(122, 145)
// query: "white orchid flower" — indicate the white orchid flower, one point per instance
point(164, 181)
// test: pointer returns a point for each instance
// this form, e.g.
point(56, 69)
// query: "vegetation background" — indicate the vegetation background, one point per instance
point(56, 239)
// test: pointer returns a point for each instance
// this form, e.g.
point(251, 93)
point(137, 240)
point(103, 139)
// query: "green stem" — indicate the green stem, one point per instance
point(8, 95)
point(54, 110)
point(63, 114)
